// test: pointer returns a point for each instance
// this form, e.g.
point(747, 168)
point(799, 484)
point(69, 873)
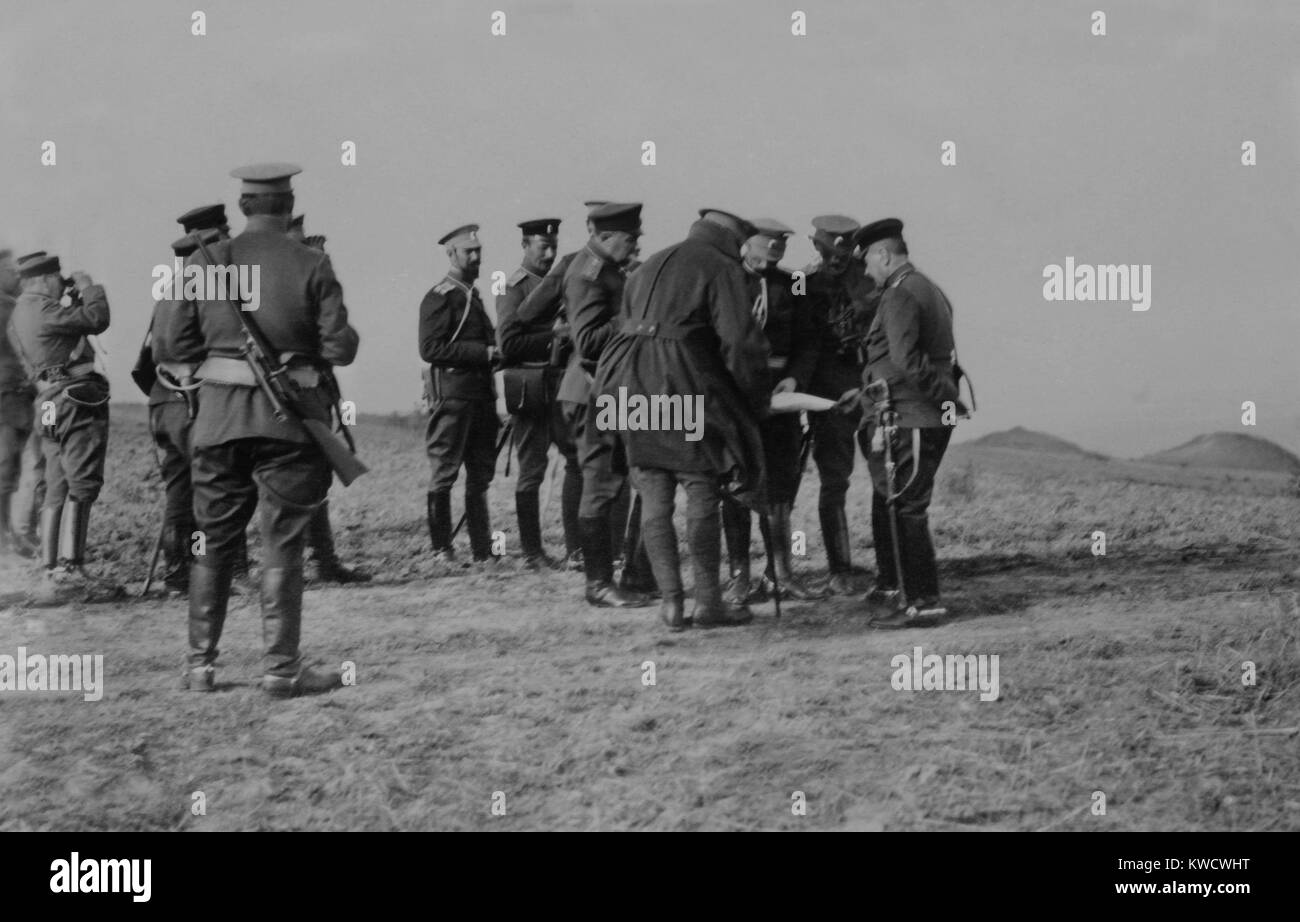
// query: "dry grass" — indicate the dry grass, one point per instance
point(1119, 674)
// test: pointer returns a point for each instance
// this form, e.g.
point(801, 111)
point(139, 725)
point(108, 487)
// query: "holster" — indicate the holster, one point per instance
point(428, 392)
point(526, 389)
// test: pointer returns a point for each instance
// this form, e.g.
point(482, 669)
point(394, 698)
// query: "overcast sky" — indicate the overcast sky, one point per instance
point(1117, 149)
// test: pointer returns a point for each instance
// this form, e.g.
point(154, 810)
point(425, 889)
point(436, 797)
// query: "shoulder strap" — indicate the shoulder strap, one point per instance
point(464, 315)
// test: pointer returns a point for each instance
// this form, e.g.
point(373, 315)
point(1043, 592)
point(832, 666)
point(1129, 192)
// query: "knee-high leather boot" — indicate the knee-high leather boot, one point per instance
point(599, 564)
point(283, 674)
point(792, 587)
point(570, 499)
point(528, 512)
point(736, 529)
point(51, 520)
point(835, 533)
point(438, 512)
point(479, 526)
point(209, 595)
point(320, 541)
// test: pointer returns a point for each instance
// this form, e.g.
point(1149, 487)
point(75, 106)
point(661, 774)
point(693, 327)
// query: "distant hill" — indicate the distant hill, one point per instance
point(1022, 439)
point(1231, 451)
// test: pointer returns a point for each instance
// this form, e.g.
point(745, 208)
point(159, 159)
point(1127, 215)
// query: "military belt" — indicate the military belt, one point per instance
point(58, 373)
point(659, 330)
point(218, 369)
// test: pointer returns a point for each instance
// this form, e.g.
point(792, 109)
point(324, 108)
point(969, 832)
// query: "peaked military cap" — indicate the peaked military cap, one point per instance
point(465, 236)
point(878, 230)
point(186, 245)
point(745, 227)
point(266, 177)
point(616, 216)
point(834, 230)
point(548, 227)
point(770, 227)
point(202, 218)
point(32, 266)
point(769, 234)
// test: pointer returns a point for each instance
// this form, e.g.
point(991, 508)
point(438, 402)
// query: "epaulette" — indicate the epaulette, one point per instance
point(591, 265)
point(444, 286)
point(520, 274)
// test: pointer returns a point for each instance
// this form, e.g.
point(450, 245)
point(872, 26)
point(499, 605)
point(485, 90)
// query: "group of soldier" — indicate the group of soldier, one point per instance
point(714, 315)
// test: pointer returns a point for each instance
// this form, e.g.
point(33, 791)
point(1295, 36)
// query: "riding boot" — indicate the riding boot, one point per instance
point(324, 557)
point(736, 529)
point(281, 620)
point(72, 534)
point(209, 595)
point(886, 571)
point(479, 526)
point(921, 572)
point(283, 672)
point(51, 521)
point(176, 576)
point(528, 511)
point(438, 512)
point(618, 513)
point(792, 587)
point(597, 561)
point(835, 534)
point(570, 499)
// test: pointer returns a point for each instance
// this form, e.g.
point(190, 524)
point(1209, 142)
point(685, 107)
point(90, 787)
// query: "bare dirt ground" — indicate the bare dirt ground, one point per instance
point(1120, 674)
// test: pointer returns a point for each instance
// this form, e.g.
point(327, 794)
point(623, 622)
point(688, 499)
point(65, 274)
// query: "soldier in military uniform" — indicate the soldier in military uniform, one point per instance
point(593, 292)
point(323, 560)
point(458, 342)
point(71, 404)
point(686, 328)
point(243, 457)
point(172, 391)
point(843, 301)
point(795, 344)
point(25, 513)
point(910, 356)
point(16, 420)
point(543, 308)
point(533, 359)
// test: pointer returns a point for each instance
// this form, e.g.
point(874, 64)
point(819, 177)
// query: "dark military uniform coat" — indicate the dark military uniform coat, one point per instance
point(16, 392)
point(50, 339)
point(910, 346)
point(593, 291)
point(527, 343)
point(843, 309)
point(687, 329)
point(539, 309)
point(301, 311)
point(455, 333)
point(793, 336)
point(795, 341)
point(50, 336)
